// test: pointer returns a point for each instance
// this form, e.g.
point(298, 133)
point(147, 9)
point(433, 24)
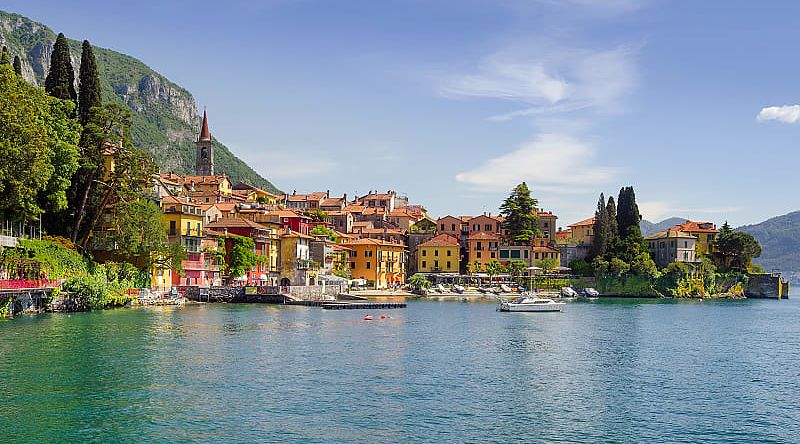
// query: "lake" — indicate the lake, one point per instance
point(604, 371)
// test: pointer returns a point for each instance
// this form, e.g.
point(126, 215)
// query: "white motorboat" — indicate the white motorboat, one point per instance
point(531, 303)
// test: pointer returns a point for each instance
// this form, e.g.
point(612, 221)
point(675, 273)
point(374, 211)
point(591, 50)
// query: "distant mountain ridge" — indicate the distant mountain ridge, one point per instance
point(166, 122)
point(649, 228)
point(780, 242)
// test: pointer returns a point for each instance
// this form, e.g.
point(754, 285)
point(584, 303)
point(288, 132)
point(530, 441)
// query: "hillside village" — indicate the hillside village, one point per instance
point(378, 239)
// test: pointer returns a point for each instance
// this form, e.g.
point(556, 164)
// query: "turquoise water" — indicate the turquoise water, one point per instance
point(610, 371)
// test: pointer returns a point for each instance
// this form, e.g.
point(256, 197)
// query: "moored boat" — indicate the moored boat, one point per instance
point(531, 303)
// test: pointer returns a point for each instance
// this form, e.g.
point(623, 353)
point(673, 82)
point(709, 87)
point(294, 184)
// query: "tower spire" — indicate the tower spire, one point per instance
point(204, 133)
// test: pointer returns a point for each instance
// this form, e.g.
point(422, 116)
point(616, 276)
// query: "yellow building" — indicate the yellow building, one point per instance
point(441, 253)
point(705, 232)
point(583, 231)
point(379, 262)
point(184, 221)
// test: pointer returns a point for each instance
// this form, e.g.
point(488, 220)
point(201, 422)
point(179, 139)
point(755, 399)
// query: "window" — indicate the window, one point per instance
point(354, 253)
point(478, 255)
point(478, 246)
point(449, 253)
point(442, 227)
point(369, 265)
point(493, 253)
point(435, 264)
point(424, 252)
point(453, 227)
point(436, 252)
point(546, 224)
point(536, 255)
point(448, 264)
point(172, 228)
point(526, 254)
point(476, 227)
point(424, 264)
point(487, 227)
point(503, 254)
point(515, 254)
point(188, 228)
point(685, 244)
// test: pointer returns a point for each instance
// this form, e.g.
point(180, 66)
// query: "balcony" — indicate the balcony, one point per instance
point(304, 264)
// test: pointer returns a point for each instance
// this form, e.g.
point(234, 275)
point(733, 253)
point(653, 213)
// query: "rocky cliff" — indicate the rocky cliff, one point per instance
point(165, 115)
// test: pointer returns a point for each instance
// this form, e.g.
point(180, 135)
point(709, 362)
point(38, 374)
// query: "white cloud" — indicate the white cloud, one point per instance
point(785, 113)
point(552, 162)
point(549, 79)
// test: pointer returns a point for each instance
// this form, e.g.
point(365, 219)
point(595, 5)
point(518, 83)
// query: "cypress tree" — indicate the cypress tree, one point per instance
point(613, 229)
point(17, 66)
point(4, 59)
point(628, 216)
point(60, 80)
point(600, 243)
point(89, 84)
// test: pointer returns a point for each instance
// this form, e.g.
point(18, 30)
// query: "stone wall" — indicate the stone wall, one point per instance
point(767, 286)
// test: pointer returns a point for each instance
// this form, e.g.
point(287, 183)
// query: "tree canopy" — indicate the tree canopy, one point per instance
point(89, 96)
point(735, 250)
point(39, 145)
point(60, 80)
point(519, 211)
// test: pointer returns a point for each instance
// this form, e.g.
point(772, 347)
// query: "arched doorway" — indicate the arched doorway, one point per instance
point(285, 282)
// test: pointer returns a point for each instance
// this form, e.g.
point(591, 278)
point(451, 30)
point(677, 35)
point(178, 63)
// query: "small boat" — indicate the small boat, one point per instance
point(531, 303)
point(590, 293)
point(458, 289)
point(568, 292)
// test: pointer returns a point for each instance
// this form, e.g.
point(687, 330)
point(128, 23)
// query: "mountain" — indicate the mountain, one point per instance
point(780, 242)
point(165, 118)
point(649, 228)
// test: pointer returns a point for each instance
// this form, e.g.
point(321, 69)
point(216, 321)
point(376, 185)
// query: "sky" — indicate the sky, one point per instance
point(695, 104)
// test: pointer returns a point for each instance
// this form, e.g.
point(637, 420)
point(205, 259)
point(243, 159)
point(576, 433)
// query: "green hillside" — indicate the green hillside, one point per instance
point(780, 242)
point(166, 121)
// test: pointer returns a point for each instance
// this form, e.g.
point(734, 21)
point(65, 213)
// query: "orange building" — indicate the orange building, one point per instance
point(483, 248)
point(379, 262)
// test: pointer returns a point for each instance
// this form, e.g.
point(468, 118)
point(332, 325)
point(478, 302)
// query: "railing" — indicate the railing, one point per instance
point(304, 264)
point(24, 284)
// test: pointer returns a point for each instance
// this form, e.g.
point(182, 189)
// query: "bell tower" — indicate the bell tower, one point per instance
point(204, 163)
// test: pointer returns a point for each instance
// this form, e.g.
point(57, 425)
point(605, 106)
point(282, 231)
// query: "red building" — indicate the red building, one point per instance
point(263, 239)
point(293, 220)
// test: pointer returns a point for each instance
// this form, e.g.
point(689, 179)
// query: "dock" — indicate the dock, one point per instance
point(362, 305)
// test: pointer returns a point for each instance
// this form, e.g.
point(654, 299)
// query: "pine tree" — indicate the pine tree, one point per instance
point(17, 66)
point(89, 84)
point(600, 242)
point(60, 80)
point(4, 58)
point(519, 209)
point(613, 230)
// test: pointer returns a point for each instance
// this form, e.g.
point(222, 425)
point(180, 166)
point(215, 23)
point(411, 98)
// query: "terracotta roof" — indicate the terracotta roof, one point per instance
point(449, 217)
point(204, 133)
point(287, 213)
point(331, 202)
point(483, 235)
point(225, 206)
point(235, 222)
point(379, 242)
point(584, 222)
point(288, 232)
point(374, 210)
point(670, 233)
point(545, 214)
point(209, 180)
point(441, 240)
point(363, 223)
point(405, 212)
point(696, 227)
point(341, 247)
point(179, 200)
point(545, 250)
point(380, 231)
point(354, 209)
point(213, 232)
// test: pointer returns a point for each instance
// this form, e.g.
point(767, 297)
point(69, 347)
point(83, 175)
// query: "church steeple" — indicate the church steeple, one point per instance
point(204, 162)
point(204, 133)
